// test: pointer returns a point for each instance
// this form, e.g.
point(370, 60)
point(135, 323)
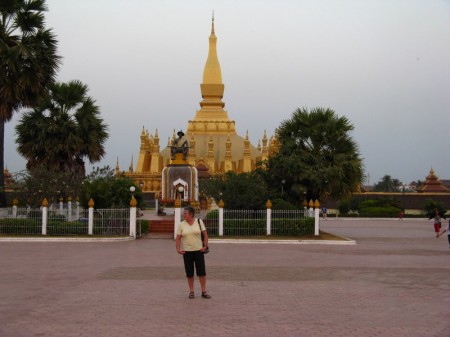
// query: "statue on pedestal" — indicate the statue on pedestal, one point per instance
point(180, 145)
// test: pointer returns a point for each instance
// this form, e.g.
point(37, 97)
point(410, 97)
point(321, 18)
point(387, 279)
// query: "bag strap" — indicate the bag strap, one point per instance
point(201, 232)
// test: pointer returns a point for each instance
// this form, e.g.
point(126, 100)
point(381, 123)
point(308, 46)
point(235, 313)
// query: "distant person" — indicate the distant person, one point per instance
point(189, 244)
point(400, 217)
point(437, 223)
point(324, 213)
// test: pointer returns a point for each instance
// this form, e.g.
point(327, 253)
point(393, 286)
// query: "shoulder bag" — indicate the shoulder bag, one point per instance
point(206, 251)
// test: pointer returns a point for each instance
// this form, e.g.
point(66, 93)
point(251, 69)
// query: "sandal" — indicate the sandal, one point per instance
point(205, 295)
point(191, 295)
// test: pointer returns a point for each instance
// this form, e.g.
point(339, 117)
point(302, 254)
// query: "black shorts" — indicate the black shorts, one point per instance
point(196, 258)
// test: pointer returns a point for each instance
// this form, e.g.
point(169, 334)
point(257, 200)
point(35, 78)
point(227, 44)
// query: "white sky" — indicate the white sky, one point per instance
point(384, 64)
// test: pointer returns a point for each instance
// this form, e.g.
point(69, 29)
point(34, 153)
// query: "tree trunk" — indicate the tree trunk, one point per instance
point(2, 164)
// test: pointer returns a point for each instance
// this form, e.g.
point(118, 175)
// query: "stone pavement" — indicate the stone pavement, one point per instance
point(394, 282)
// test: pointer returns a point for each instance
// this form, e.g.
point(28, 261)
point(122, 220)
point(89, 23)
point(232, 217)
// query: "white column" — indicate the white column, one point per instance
point(316, 221)
point(91, 220)
point(133, 222)
point(69, 209)
point(269, 221)
point(177, 220)
point(14, 211)
point(220, 221)
point(61, 206)
point(78, 210)
point(44, 216)
point(156, 206)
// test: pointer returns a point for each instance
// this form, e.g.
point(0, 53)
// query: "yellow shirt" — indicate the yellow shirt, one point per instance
point(191, 238)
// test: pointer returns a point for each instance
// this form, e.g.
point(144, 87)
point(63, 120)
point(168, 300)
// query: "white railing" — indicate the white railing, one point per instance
point(62, 222)
point(223, 222)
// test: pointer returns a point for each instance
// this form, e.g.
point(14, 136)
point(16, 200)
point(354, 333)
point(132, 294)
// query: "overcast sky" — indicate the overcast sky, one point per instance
point(384, 64)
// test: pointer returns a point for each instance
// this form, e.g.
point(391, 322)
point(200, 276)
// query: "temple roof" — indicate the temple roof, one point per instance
point(433, 184)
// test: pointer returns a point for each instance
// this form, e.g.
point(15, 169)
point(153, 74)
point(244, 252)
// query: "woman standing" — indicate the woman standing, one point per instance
point(189, 244)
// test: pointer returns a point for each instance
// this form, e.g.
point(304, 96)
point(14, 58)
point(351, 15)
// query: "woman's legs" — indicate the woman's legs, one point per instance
point(190, 281)
point(202, 283)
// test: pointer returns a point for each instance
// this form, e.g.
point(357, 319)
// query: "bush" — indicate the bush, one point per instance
point(145, 225)
point(388, 211)
point(20, 226)
point(281, 204)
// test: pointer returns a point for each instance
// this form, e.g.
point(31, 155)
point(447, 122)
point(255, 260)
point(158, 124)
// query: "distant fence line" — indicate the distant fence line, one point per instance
point(69, 221)
point(224, 222)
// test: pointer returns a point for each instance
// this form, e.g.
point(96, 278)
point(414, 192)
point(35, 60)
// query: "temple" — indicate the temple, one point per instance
point(214, 146)
point(432, 184)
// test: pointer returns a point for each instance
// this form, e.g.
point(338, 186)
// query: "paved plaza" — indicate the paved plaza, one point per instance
point(395, 281)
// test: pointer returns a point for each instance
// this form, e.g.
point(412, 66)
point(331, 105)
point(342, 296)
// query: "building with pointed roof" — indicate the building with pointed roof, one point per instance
point(432, 184)
point(214, 145)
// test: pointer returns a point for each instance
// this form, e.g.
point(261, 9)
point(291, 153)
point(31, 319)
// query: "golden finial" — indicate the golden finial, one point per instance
point(44, 202)
point(143, 130)
point(91, 203)
point(212, 24)
point(221, 204)
point(268, 204)
point(133, 201)
point(316, 204)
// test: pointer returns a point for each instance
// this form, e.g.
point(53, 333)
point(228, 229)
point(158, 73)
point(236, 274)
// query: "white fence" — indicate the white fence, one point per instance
point(258, 222)
point(67, 221)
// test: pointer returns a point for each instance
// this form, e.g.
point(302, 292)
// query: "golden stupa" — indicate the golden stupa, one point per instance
point(213, 141)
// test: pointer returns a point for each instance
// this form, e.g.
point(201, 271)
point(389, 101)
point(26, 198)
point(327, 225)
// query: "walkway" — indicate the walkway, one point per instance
point(394, 282)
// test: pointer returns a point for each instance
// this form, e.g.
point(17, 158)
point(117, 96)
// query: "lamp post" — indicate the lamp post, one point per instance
point(282, 186)
point(181, 191)
point(141, 185)
point(132, 189)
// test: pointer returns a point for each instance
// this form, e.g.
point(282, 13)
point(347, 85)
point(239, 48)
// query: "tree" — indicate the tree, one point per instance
point(317, 156)
point(28, 62)
point(238, 191)
point(387, 184)
point(33, 185)
point(63, 130)
point(107, 190)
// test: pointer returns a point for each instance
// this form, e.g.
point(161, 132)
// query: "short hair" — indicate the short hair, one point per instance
point(190, 209)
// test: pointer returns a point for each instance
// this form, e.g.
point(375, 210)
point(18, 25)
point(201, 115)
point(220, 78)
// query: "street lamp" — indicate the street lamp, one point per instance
point(282, 186)
point(132, 189)
point(180, 191)
point(141, 185)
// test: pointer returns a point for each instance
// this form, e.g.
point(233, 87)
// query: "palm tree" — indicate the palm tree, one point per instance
point(28, 62)
point(317, 157)
point(63, 130)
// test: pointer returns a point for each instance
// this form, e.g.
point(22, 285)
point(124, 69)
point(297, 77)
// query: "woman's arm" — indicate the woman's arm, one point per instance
point(178, 244)
point(205, 238)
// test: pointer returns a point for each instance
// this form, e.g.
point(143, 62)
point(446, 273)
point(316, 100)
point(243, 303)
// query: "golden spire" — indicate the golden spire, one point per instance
point(212, 73)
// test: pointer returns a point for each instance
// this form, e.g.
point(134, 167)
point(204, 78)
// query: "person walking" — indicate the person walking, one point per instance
point(189, 244)
point(448, 232)
point(437, 223)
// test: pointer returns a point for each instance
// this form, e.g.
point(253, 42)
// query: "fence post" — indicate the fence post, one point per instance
point(311, 208)
point(221, 205)
point(69, 209)
point(91, 217)
point(14, 208)
point(133, 204)
point(44, 216)
point(61, 205)
point(78, 209)
point(316, 217)
point(177, 216)
point(269, 217)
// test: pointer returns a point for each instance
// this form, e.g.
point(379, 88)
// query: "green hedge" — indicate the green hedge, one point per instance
point(56, 227)
point(258, 227)
point(20, 226)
